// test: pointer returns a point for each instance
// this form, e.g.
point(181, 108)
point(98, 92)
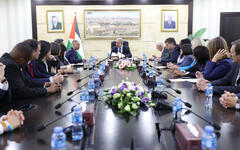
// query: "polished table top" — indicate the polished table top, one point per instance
point(112, 132)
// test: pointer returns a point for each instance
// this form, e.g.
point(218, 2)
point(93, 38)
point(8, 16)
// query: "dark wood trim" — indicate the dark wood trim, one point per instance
point(190, 17)
point(113, 2)
point(34, 19)
point(34, 3)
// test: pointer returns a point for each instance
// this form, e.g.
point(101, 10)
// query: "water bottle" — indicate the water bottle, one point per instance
point(84, 95)
point(87, 65)
point(144, 67)
point(150, 74)
point(160, 85)
point(144, 57)
point(208, 94)
point(97, 81)
point(77, 120)
point(91, 90)
point(155, 62)
point(93, 61)
point(209, 139)
point(177, 108)
point(58, 140)
point(104, 68)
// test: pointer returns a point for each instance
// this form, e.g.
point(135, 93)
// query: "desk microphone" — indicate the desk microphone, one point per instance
point(185, 103)
point(70, 93)
point(215, 126)
point(45, 125)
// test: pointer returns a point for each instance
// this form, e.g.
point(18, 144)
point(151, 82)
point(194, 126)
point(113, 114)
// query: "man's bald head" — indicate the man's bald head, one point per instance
point(75, 44)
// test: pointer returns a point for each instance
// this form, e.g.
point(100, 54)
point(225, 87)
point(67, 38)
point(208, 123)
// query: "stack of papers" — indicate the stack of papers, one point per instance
point(184, 80)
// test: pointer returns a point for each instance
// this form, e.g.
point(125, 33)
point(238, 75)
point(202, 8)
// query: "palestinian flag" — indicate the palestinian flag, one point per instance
point(74, 35)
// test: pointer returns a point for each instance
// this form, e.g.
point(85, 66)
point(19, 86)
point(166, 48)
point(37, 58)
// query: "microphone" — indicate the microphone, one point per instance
point(79, 80)
point(69, 99)
point(45, 125)
point(185, 103)
point(215, 126)
point(155, 69)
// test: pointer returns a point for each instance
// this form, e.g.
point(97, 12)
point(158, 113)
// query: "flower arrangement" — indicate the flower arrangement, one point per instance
point(128, 98)
point(125, 64)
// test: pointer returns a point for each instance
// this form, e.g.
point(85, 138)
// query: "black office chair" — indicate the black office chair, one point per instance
point(113, 43)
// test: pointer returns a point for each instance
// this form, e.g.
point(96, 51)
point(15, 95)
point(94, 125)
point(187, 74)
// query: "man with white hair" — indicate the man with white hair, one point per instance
point(165, 52)
point(121, 50)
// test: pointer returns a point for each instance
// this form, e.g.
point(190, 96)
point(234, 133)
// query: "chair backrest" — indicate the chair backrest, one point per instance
point(113, 43)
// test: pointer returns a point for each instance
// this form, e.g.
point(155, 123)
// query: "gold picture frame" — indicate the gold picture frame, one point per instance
point(169, 20)
point(55, 16)
point(106, 28)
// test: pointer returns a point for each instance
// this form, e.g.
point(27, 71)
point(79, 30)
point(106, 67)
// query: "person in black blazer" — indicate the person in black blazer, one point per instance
point(45, 56)
point(20, 86)
point(120, 48)
point(31, 69)
point(231, 82)
point(5, 94)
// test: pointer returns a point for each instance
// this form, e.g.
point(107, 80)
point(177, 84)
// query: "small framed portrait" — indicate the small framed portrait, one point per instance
point(169, 21)
point(55, 21)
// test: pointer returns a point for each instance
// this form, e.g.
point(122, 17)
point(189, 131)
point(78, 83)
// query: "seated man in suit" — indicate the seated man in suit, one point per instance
point(32, 73)
point(230, 100)
point(160, 48)
point(231, 82)
point(20, 86)
point(5, 95)
point(72, 55)
point(174, 52)
point(121, 50)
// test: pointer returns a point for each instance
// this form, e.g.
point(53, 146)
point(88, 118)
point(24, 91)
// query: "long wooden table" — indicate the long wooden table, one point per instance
point(111, 132)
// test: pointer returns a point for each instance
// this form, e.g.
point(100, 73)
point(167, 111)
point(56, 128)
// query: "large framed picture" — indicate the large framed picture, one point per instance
point(55, 21)
point(111, 24)
point(169, 21)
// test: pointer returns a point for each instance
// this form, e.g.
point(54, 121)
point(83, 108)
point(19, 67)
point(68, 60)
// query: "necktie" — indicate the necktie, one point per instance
point(31, 70)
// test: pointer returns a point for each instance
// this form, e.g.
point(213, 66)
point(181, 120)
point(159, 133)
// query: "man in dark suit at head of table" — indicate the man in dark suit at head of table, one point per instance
point(120, 49)
point(19, 85)
point(72, 55)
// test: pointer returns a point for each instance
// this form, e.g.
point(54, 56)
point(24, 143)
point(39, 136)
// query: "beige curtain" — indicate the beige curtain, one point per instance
point(206, 13)
point(15, 23)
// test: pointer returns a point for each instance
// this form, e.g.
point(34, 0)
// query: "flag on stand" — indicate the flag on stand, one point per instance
point(74, 35)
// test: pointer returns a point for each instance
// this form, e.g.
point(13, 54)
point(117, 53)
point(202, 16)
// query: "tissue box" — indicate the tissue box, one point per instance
point(88, 114)
point(185, 139)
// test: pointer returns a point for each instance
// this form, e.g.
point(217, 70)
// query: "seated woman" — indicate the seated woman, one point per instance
point(65, 66)
point(44, 57)
point(220, 63)
point(187, 59)
point(201, 57)
point(11, 121)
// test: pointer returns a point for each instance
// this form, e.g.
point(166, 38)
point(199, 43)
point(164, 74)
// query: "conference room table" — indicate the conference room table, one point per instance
point(114, 132)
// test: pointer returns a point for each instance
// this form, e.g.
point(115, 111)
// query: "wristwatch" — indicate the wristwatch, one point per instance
point(237, 105)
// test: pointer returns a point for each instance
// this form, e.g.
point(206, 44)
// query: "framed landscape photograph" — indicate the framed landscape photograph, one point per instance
point(55, 21)
point(111, 24)
point(169, 21)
